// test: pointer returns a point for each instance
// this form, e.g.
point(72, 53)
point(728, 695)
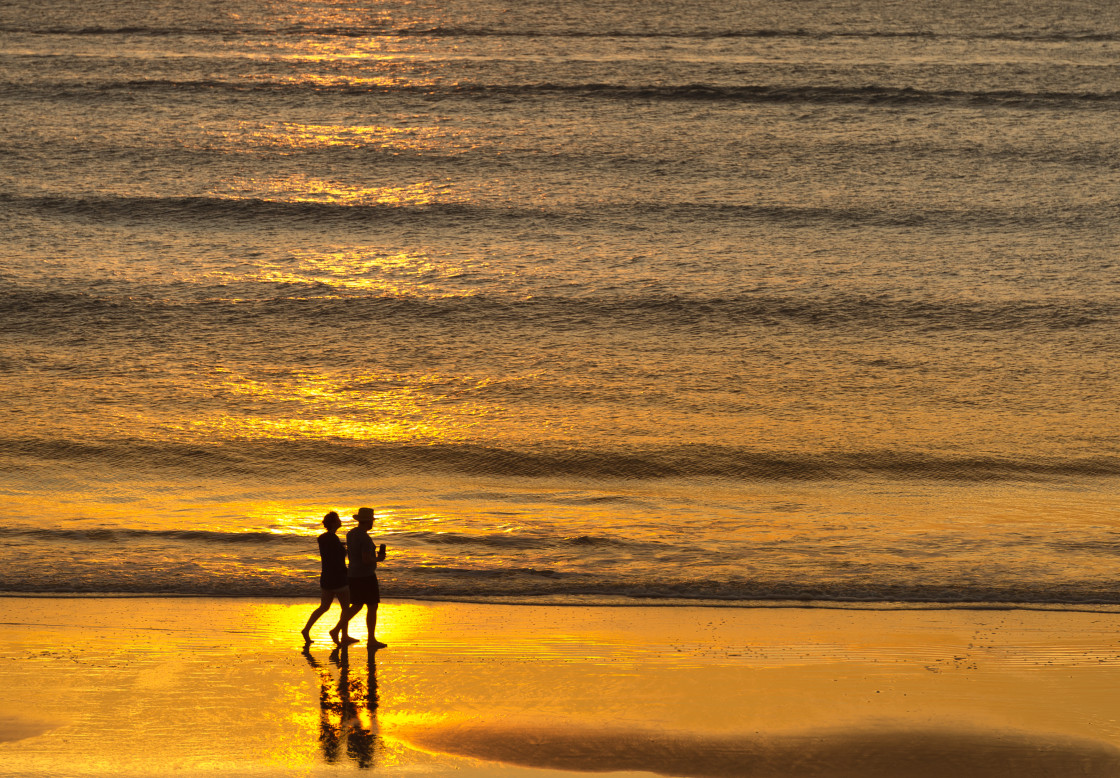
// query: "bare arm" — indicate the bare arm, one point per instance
point(381, 553)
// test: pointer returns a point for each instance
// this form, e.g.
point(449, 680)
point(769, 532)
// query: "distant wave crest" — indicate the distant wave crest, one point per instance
point(683, 461)
point(252, 211)
point(440, 31)
point(410, 539)
point(540, 584)
point(750, 93)
point(32, 311)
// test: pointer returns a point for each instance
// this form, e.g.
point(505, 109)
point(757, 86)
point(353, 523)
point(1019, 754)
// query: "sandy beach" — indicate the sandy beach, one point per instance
point(147, 686)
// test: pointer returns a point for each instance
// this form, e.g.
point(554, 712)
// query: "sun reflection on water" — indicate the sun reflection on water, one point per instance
point(370, 269)
point(329, 427)
point(306, 189)
point(376, 407)
point(300, 136)
point(398, 623)
point(347, 695)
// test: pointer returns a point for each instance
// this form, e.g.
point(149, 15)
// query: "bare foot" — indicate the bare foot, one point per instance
point(377, 644)
point(334, 635)
point(306, 635)
point(348, 640)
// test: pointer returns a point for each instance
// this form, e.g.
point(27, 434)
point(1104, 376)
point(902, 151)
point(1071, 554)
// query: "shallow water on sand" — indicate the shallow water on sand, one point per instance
point(140, 686)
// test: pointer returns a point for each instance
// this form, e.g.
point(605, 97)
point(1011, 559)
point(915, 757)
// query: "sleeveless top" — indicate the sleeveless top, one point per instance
point(333, 555)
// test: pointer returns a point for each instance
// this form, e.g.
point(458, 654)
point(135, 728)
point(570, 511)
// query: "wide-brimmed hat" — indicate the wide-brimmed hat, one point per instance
point(364, 513)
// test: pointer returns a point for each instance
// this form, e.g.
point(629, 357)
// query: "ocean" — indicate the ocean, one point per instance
point(605, 302)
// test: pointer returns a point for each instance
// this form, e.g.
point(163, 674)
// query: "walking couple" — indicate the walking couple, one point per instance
point(354, 586)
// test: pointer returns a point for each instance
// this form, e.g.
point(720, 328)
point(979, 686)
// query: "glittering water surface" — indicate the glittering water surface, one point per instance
point(738, 301)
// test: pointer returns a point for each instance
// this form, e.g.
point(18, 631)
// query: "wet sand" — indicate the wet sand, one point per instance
point(149, 686)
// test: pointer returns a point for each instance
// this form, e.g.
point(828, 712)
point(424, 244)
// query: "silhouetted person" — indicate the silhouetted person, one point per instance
point(347, 708)
point(333, 582)
point(359, 707)
point(330, 707)
point(364, 589)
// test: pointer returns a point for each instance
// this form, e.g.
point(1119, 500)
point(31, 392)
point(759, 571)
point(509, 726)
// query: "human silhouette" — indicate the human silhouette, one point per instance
point(333, 581)
point(348, 708)
point(364, 589)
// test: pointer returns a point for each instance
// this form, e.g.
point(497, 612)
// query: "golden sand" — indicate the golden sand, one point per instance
point(147, 686)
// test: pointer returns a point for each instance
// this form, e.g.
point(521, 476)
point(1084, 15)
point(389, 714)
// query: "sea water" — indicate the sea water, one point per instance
point(591, 301)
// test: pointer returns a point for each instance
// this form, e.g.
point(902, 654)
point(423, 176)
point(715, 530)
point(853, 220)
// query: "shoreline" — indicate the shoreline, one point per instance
point(593, 601)
point(129, 685)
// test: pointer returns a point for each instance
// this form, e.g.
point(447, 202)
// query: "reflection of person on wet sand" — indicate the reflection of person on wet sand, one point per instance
point(347, 708)
point(364, 589)
point(333, 582)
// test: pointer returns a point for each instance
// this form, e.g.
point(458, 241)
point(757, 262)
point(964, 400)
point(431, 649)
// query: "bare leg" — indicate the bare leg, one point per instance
point(324, 605)
point(340, 634)
point(371, 625)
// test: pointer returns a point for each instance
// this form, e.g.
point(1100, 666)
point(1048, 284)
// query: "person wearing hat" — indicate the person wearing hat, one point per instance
point(362, 576)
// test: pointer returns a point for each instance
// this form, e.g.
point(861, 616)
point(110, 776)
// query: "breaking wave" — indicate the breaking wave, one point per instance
point(437, 31)
point(683, 461)
point(35, 310)
point(253, 211)
point(810, 94)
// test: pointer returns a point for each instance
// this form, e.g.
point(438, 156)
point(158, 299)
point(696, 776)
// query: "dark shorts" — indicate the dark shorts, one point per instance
point(333, 582)
point(365, 591)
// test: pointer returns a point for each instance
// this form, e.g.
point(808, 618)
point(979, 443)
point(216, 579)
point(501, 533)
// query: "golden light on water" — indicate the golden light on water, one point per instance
point(330, 427)
point(306, 189)
point(369, 269)
point(664, 264)
point(418, 139)
point(376, 407)
point(374, 51)
point(398, 623)
point(363, 259)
